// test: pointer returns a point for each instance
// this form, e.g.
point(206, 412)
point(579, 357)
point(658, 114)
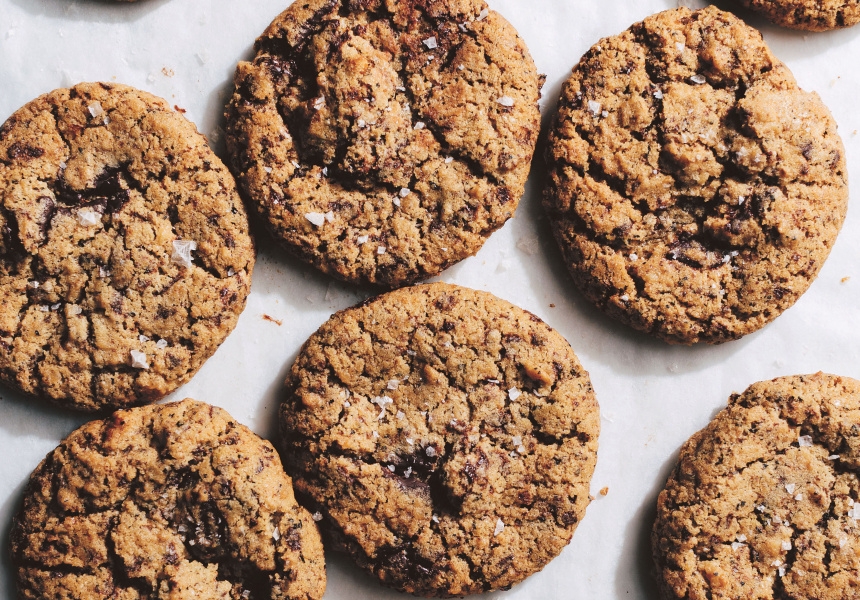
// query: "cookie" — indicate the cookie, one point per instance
point(166, 501)
point(811, 15)
point(383, 142)
point(694, 189)
point(125, 257)
point(762, 502)
point(445, 437)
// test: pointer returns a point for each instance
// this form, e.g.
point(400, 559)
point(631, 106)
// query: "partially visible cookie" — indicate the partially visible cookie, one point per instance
point(383, 142)
point(446, 437)
point(811, 15)
point(125, 256)
point(765, 501)
point(694, 189)
point(168, 501)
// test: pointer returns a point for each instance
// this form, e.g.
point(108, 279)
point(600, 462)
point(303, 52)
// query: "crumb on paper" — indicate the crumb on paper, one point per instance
point(277, 322)
point(529, 245)
point(845, 280)
point(167, 72)
point(604, 490)
point(179, 109)
point(552, 305)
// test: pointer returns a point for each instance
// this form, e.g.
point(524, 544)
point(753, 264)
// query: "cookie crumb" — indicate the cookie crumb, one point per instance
point(167, 72)
point(138, 360)
point(552, 305)
point(74, 309)
point(845, 280)
point(182, 252)
point(277, 322)
point(604, 491)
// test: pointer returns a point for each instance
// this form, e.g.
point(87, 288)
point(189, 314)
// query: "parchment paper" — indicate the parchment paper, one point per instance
point(652, 396)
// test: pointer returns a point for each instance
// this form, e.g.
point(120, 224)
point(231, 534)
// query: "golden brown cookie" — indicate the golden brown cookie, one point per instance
point(172, 501)
point(694, 189)
point(765, 501)
point(445, 437)
point(384, 141)
point(811, 15)
point(125, 257)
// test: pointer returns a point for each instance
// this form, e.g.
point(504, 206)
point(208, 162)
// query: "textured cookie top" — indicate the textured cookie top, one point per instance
point(446, 437)
point(125, 257)
point(384, 141)
point(694, 189)
point(167, 502)
point(765, 502)
point(812, 15)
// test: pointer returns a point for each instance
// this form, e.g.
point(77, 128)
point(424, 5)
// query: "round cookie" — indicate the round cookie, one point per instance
point(446, 438)
point(811, 15)
point(167, 501)
point(694, 189)
point(383, 142)
point(765, 501)
point(125, 257)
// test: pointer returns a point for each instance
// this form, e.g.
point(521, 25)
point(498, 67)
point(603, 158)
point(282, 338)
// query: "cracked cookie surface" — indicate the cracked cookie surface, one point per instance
point(165, 502)
point(811, 15)
point(765, 501)
point(446, 438)
point(384, 141)
point(694, 189)
point(125, 257)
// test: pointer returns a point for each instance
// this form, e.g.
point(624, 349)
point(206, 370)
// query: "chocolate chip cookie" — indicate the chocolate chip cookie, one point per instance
point(694, 189)
point(169, 501)
point(125, 257)
point(765, 501)
point(445, 437)
point(811, 15)
point(383, 142)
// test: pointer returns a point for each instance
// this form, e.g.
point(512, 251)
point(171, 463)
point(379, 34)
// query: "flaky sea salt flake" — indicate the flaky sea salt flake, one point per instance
point(161, 344)
point(514, 393)
point(431, 43)
point(506, 101)
point(430, 451)
point(658, 94)
point(790, 487)
point(405, 192)
point(276, 534)
point(393, 384)
point(96, 109)
point(804, 441)
point(317, 516)
point(594, 107)
point(143, 339)
point(786, 545)
point(182, 252)
point(833, 457)
point(483, 15)
point(88, 217)
point(420, 125)
point(698, 79)
point(74, 309)
point(362, 239)
point(381, 250)
point(138, 360)
point(316, 218)
point(500, 527)
point(449, 160)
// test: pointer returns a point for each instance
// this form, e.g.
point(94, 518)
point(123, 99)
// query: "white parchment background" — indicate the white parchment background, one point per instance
point(652, 396)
